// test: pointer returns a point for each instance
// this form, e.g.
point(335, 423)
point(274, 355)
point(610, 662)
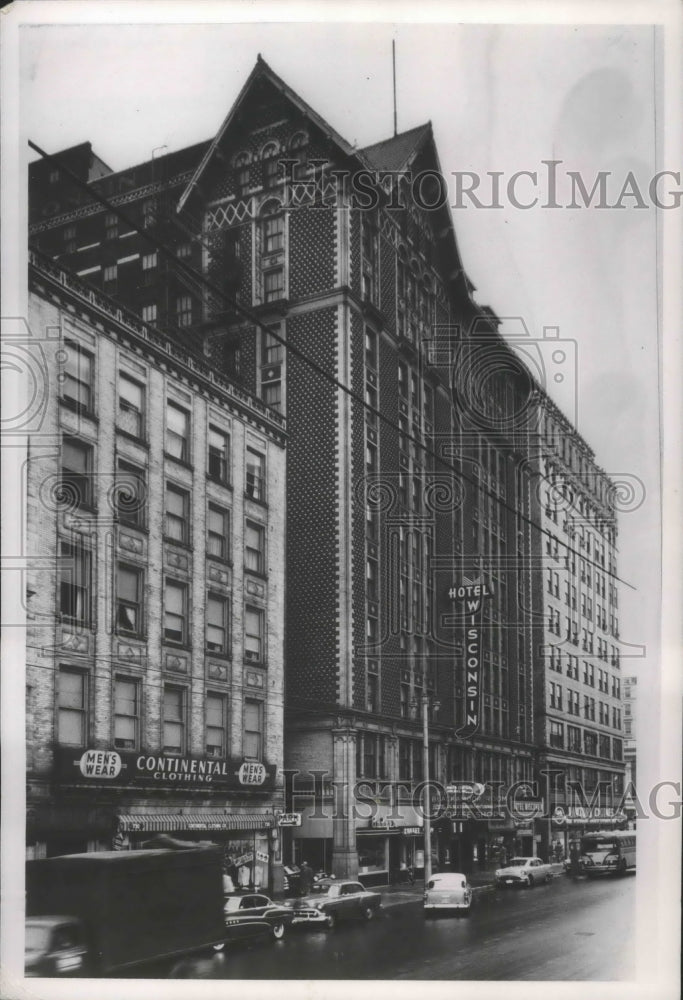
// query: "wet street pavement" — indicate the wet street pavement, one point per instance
point(567, 930)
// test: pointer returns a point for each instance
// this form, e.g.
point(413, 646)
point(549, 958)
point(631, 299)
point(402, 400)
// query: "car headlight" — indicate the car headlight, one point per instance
point(499, 872)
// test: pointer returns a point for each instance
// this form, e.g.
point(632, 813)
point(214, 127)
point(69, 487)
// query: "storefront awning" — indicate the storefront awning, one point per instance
point(201, 819)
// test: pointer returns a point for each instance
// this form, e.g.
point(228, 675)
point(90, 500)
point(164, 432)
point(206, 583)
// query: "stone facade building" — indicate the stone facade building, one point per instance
point(155, 591)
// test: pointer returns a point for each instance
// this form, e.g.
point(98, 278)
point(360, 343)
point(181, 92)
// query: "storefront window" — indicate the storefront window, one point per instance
point(246, 860)
point(372, 854)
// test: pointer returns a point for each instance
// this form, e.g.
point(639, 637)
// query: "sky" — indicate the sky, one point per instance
point(501, 99)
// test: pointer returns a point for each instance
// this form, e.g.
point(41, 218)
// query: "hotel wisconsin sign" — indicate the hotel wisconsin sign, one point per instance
point(468, 597)
point(119, 767)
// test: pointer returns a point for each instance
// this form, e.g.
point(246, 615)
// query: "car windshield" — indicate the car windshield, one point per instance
point(325, 889)
point(232, 904)
point(37, 937)
point(517, 862)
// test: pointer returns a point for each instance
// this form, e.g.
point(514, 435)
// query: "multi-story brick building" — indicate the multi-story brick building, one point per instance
point(578, 686)
point(336, 293)
point(155, 591)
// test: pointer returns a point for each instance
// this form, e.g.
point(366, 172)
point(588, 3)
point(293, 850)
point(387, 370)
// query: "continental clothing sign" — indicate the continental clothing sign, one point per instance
point(120, 767)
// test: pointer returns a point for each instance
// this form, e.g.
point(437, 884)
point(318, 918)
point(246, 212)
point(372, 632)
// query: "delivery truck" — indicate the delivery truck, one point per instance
point(119, 913)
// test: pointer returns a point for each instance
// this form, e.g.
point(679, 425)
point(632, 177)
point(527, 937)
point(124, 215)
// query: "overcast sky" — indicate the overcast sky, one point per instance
point(501, 98)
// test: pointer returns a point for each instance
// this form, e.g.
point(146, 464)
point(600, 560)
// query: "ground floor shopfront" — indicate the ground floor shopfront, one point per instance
point(104, 801)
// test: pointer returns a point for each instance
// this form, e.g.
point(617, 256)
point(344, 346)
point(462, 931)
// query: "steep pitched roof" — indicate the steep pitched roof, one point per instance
point(394, 153)
point(263, 71)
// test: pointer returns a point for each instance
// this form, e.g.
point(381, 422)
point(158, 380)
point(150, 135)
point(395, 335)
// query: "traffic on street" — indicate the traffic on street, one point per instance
point(568, 929)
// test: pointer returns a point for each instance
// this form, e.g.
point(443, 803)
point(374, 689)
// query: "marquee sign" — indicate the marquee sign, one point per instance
point(103, 766)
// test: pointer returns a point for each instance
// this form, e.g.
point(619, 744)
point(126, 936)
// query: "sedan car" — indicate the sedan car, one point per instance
point(54, 946)
point(523, 872)
point(331, 900)
point(252, 914)
point(447, 891)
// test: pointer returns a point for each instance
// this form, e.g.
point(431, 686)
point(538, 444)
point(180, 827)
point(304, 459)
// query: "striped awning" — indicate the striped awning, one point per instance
point(214, 820)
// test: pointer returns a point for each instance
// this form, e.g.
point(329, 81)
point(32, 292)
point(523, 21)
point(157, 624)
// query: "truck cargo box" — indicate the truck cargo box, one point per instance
point(136, 906)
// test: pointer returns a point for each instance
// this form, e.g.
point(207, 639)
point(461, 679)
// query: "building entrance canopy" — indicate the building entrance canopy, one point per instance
point(161, 821)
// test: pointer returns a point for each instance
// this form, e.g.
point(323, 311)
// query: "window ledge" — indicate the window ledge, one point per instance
point(143, 442)
point(179, 461)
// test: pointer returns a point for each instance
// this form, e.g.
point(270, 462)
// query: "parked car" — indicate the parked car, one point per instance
point(246, 915)
point(447, 891)
point(331, 900)
point(523, 872)
point(55, 946)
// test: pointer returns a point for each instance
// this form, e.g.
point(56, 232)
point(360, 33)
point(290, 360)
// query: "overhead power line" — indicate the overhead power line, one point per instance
point(248, 314)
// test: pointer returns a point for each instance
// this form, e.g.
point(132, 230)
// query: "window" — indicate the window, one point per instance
point(272, 362)
point(126, 713)
point(216, 728)
point(253, 634)
point(273, 234)
point(110, 275)
point(273, 284)
point(183, 310)
point(175, 612)
point(69, 239)
point(111, 226)
point(556, 734)
point(184, 250)
point(149, 313)
point(253, 729)
point(131, 406)
point(217, 622)
point(75, 575)
point(218, 532)
point(129, 592)
point(177, 432)
point(219, 455)
point(242, 173)
point(174, 719)
point(148, 213)
point(371, 579)
point(405, 701)
point(150, 261)
point(177, 523)
point(254, 547)
point(270, 165)
point(77, 387)
point(256, 475)
point(72, 717)
point(370, 348)
point(131, 494)
point(574, 739)
point(76, 479)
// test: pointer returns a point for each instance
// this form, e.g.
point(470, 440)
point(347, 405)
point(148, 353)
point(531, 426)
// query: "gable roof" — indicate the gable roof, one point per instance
point(394, 153)
point(263, 71)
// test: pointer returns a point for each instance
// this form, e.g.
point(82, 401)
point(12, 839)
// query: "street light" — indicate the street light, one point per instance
point(436, 705)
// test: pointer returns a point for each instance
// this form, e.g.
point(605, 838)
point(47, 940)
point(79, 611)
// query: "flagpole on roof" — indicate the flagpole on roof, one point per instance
point(393, 61)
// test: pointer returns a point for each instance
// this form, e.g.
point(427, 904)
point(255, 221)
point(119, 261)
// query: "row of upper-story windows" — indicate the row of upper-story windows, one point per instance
point(75, 716)
point(76, 604)
point(584, 741)
point(78, 392)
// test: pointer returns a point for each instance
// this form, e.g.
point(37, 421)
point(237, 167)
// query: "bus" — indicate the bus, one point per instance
point(608, 852)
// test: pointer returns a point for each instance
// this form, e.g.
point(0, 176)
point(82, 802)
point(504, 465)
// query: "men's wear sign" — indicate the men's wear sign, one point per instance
point(95, 766)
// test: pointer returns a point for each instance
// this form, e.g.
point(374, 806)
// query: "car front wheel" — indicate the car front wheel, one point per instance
point(368, 912)
point(330, 921)
point(530, 881)
point(278, 930)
